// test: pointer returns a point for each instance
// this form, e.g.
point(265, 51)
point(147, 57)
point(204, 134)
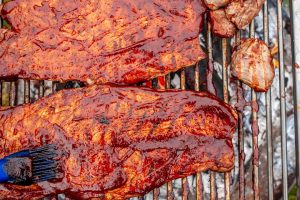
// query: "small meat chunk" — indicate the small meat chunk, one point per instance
point(242, 12)
point(221, 26)
point(251, 63)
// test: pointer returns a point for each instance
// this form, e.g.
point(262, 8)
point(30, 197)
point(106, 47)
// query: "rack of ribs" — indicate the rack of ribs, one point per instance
point(118, 142)
point(116, 41)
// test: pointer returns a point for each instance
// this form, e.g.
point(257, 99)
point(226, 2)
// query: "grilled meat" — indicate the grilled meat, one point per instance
point(117, 41)
point(120, 142)
point(242, 12)
point(221, 26)
point(216, 4)
point(251, 62)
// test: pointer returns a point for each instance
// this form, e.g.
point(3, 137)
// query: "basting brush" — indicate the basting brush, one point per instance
point(30, 166)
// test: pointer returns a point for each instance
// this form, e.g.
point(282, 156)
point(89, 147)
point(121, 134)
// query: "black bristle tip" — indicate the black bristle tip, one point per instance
point(44, 178)
point(44, 163)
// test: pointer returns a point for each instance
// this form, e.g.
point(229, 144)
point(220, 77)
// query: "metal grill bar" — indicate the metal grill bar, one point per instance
point(168, 81)
point(255, 146)
point(225, 70)
point(197, 77)
point(240, 100)
point(185, 189)
point(12, 94)
point(254, 127)
point(241, 147)
point(51, 88)
point(26, 91)
point(199, 186)
point(54, 86)
point(41, 89)
point(156, 194)
point(160, 85)
point(282, 102)
point(185, 186)
point(170, 194)
point(296, 98)
point(213, 189)
point(226, 100)
point(268, 111)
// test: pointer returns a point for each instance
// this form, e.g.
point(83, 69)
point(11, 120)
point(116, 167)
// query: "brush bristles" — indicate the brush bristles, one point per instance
point(44, 163)
point(47, 149)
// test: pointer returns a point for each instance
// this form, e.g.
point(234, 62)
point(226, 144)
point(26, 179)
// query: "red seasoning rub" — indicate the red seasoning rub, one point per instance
point(242, 12)
point(221, 26)
point(118, 142)
point(251, 62)
point(118, 41)
point(216, 4)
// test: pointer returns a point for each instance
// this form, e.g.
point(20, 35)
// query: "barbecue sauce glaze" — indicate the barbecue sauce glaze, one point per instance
point(116, 41)
point(120, 142)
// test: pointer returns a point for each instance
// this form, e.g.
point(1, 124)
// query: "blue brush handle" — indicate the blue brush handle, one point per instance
point(4, 178)
point(25, 153)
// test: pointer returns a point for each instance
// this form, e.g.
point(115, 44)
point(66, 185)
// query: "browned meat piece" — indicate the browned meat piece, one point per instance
point(251, 62)
point(221, 26)
point(120, 141)
point(216, 4)
point(119, 41)
point(242, 12)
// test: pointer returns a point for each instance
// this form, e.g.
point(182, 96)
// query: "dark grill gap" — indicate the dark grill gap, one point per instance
point(9, 92)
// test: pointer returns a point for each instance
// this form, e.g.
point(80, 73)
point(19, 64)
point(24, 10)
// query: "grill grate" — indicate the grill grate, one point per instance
point(9, 91)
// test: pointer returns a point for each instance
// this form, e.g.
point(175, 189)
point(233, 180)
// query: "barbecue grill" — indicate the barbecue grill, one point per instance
point(9, 93)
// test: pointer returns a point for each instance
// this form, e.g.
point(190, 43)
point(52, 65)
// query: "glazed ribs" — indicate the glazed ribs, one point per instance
point(116, 41)
point(118, 142)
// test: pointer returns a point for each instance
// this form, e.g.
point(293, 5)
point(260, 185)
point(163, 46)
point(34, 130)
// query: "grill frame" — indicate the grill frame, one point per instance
point(15, 99)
